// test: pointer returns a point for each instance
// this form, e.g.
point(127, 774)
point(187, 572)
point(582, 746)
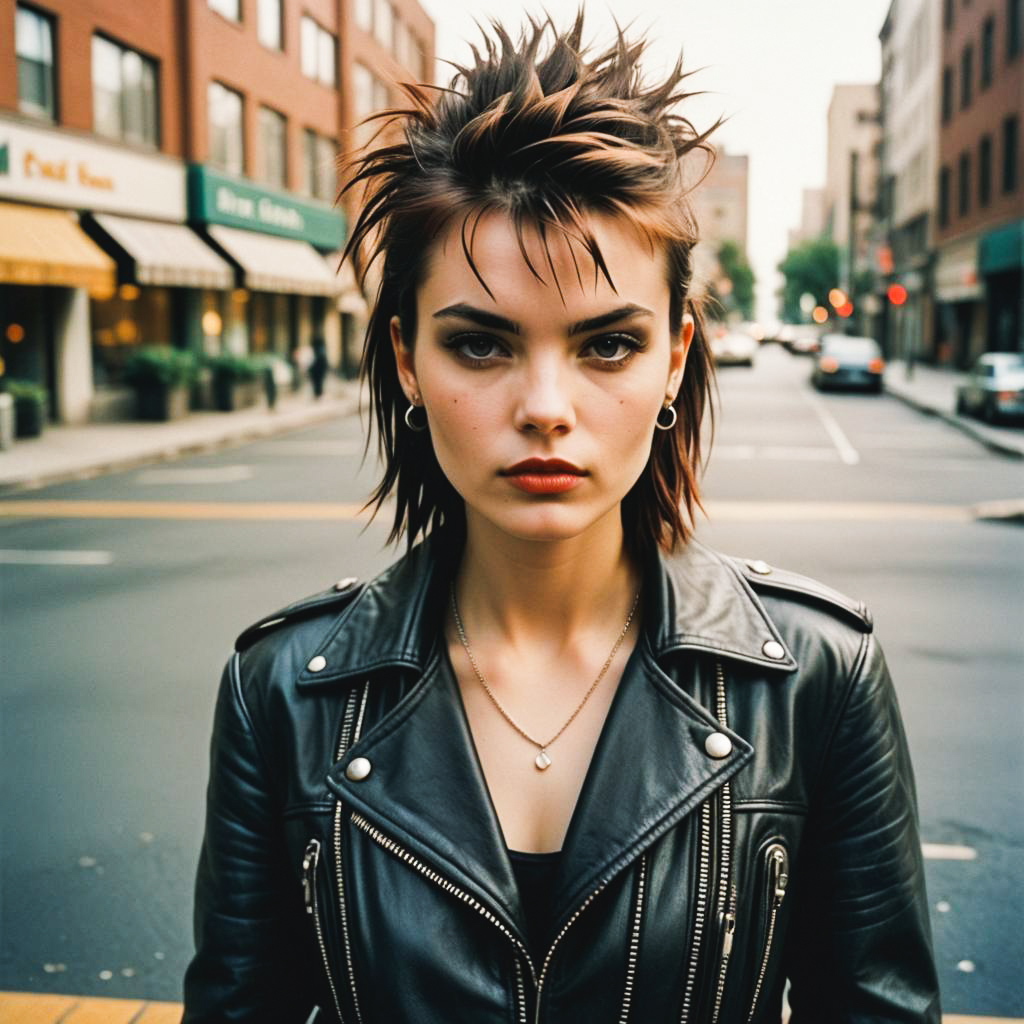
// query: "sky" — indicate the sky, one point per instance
point(767, 65)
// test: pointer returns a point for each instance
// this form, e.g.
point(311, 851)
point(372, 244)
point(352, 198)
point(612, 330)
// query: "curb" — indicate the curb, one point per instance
point(1010, 511)
point(960, 423)
point(270, 427)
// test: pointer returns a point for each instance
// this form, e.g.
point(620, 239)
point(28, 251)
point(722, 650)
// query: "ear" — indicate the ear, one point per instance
point(677, 357)
point(404, 362)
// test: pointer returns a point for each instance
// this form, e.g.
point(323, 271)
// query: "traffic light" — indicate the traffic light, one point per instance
point(897, 294)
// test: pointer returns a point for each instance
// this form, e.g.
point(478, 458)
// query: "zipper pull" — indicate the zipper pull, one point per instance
point(309, 862)
point(729, 922)
point(780, 875)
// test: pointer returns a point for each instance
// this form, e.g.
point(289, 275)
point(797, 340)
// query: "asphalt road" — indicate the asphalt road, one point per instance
point(115, 625)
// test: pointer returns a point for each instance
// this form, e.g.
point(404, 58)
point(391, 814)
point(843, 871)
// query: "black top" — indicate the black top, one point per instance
point(535, 875)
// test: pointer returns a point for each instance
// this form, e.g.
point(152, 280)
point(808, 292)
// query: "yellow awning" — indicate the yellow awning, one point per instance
point(39, 246)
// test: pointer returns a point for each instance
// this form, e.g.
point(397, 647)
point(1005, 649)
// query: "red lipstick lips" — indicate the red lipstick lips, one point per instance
point(544, 476)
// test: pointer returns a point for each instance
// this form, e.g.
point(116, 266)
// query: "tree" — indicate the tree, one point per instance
point(738, 294)
point(809, 268)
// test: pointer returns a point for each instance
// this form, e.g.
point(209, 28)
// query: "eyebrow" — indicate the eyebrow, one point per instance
point(463, 311)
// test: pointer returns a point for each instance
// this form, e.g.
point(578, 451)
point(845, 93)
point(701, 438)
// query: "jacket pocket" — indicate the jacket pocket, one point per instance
point(775, 879)
point(310, 864)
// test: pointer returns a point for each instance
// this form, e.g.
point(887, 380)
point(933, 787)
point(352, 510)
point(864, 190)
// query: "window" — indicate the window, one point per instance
point(364, 14)
point(944, 197)
point(318, 49)
point(947, 14)
point(947, 94)
point(985, 171)
point(230, 9)
point(273, 148)
point(124, 101)
point(227, 149)
point(964, 185)
point(1011, 146)
point(321, 178)
point(370, 93)
point(988, 47)
point(1014, 28)
point(384, 24)
point(268, 24)
point(966, 76)
point(34, 46)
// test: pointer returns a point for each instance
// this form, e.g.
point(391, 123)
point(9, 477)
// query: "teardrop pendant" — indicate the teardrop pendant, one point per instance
point(542, 761)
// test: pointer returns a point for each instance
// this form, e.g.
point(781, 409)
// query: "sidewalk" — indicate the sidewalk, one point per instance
point(77, 452)
point(933, 391)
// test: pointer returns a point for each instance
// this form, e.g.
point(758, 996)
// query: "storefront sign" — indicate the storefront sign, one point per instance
point(956, 272)
point(216, 198)
point(56, 168)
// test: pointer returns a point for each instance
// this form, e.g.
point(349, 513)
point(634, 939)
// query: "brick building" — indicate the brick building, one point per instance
point(980, 230)
point(168, 174)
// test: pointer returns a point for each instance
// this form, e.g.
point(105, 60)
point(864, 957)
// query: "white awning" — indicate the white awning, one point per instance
point(167, 254)
point(273, 264)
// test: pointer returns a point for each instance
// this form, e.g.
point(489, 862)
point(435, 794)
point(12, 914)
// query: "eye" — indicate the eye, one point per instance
point(475, 348)
point(613, 348)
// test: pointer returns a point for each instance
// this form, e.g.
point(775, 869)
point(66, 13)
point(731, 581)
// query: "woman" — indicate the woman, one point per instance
point(560, 762)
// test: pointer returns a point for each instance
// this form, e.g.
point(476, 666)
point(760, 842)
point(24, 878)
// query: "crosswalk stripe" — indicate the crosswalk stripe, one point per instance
point(11, 556)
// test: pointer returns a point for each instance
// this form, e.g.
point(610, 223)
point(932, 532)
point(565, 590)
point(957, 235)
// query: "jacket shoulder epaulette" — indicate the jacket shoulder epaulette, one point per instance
point(766, 578)
point(333, 598)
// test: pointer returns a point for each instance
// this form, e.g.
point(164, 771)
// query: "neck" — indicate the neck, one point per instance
point(522, 591)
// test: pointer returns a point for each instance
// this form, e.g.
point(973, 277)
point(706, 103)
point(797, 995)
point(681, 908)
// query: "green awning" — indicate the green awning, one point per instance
point(1003, 249)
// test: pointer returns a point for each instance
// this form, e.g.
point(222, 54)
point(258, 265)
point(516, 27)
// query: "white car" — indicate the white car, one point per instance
point(733, 348)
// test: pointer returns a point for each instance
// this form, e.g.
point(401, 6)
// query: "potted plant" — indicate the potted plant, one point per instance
point(235, 381)
point(161, 376)
point(30, 400)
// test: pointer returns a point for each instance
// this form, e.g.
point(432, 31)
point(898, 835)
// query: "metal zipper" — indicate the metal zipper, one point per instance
point(778, 879)
point(703, 892)
point(430, 874)
point(309, 863)
point(726, 894)
point(346, 737)
point(520, 991)
point(634, 943)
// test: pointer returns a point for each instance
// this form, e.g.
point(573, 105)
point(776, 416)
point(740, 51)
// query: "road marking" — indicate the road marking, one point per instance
point(196, 475)
point(773, 453)
point(847, 452)
point(944, 851)
point(24, 557)
point(188, 510)
point(832, 512)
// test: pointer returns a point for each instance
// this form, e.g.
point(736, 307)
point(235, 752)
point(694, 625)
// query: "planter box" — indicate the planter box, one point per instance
point(161, 403)
point(230, 394)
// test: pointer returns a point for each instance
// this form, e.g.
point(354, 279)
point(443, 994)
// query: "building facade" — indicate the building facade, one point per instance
point(980, 183)
point(908, 173)
point(812, 217)
point(169, 175)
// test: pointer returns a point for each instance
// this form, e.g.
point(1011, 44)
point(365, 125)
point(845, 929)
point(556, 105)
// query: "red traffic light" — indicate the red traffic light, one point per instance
point(846, 309)
point(897, 294)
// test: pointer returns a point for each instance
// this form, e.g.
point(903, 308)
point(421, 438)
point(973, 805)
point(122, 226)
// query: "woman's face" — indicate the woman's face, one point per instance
point(541, 406)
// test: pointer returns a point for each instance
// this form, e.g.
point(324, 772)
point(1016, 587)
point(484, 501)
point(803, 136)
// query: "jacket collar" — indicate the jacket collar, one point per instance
point(696, 599)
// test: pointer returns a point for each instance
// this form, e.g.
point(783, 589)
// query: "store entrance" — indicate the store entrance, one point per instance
point(27, 337)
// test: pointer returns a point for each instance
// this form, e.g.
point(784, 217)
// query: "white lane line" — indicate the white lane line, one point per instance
point(773, 453)
point(847, 452)
point(945, 851)
point(198, 475)
point(15, 557)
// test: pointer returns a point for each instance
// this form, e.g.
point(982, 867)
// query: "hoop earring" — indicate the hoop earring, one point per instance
point(671, 423)
point(416, 428)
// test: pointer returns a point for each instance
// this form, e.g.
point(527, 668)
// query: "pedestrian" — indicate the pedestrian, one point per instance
point(560, 762)
point(318, 367)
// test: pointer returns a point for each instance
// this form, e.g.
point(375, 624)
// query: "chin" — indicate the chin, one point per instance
point(544, 524)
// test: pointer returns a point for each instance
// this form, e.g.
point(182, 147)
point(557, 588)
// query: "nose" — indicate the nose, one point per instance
point(545, 402)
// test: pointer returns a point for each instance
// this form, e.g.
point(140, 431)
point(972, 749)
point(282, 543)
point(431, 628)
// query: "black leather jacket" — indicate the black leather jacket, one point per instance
point(696, 876)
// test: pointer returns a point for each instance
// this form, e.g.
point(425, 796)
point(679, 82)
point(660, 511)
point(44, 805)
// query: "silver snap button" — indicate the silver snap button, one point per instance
point(358, 768)
point(317, 664)
point(718, 745)
point(761, 568)
point(347, 583)
point(773, 649)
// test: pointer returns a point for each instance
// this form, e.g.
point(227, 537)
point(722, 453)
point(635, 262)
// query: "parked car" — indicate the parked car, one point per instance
point(994, 388)
point(733, 348)
point(803, 339)
point(845, 361)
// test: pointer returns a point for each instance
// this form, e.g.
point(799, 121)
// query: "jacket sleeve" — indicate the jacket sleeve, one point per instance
point(243, 968)
point(860, 946)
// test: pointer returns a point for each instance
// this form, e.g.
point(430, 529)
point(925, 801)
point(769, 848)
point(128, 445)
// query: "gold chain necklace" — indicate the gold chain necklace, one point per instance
point(542, 760)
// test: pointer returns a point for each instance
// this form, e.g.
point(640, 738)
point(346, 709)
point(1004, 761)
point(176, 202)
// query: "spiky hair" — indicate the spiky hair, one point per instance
point(546, 136)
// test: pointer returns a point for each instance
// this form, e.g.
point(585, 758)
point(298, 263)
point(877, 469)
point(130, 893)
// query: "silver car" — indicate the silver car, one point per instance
point(994, 388)
point(848, 362)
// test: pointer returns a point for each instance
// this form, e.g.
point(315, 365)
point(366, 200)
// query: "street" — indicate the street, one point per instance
point(117, 617)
